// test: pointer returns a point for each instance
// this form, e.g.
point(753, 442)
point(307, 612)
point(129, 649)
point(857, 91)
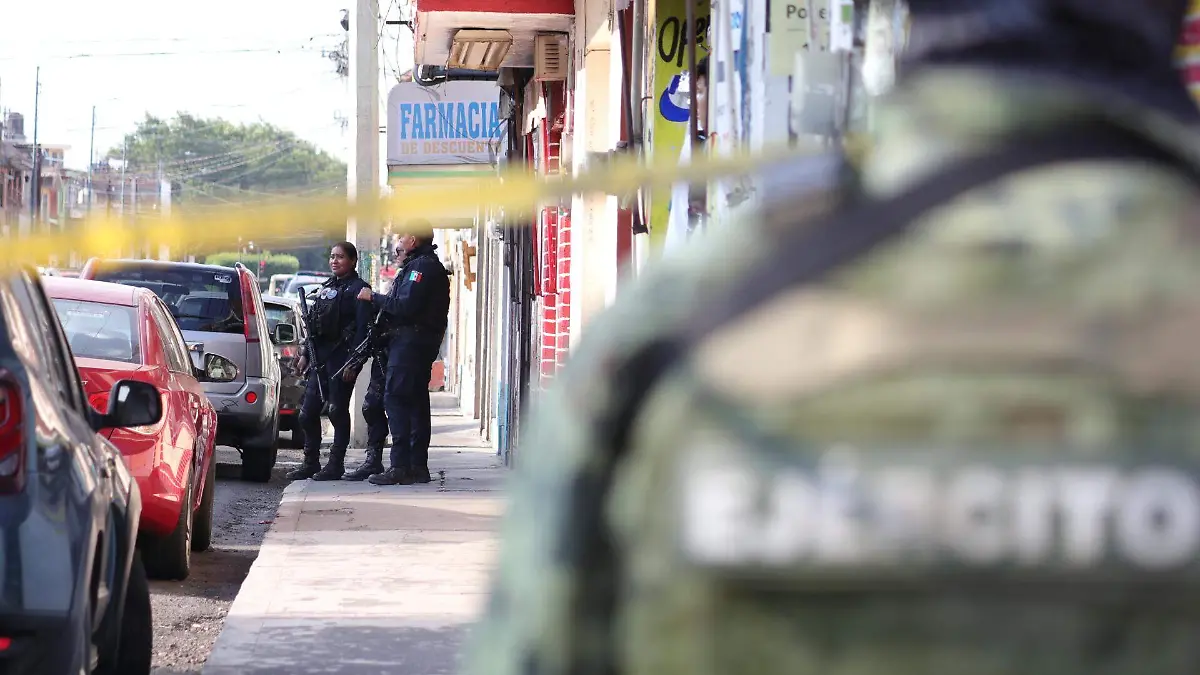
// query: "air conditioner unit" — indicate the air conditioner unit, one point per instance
point(474, 49)
point(550, 57)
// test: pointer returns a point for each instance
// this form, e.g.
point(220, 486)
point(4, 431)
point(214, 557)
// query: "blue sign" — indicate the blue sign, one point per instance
point(444, 124)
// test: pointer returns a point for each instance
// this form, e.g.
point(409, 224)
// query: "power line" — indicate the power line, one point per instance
point(280, 50)
point(213, 38)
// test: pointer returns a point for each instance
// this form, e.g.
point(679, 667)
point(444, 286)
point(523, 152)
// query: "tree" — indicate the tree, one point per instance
point(276, 263)
point(213, 162)
point(227, 160)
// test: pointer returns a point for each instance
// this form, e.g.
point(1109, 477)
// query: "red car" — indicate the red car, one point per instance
point(119, 332)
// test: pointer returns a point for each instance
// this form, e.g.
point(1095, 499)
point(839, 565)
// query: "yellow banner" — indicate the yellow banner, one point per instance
point(671, 92)
point(515, 191)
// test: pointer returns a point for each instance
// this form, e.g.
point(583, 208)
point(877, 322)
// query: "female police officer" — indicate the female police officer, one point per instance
point(335, 323)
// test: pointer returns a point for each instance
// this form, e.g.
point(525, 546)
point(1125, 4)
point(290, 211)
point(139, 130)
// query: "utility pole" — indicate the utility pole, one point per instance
point(91, 160)
point(363, 173)
point(35, 185)
point(124, 161)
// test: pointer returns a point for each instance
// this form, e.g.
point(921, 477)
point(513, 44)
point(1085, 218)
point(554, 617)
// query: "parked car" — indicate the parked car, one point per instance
point(125, 332)
point(76, 599)
point(308, 287)
point(286, 312)
point(220, 311)
point(320, 274)
point(305, 281)
point(276, 284)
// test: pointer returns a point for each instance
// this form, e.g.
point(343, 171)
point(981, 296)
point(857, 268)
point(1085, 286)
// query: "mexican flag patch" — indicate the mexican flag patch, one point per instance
point(415, 276)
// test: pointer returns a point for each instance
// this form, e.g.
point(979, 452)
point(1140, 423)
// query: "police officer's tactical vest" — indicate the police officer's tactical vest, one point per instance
point(918, 442)
point(325, 311)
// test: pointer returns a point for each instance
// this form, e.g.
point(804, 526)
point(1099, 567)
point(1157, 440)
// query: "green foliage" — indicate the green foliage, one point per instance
point(213, 162)
point(315, 257)
point(277, 263)
point(221, 159)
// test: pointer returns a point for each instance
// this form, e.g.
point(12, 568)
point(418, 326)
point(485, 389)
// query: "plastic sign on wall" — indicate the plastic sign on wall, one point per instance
point(841, 25)
point(672, 87)
point(443, 124)
point(793, 25)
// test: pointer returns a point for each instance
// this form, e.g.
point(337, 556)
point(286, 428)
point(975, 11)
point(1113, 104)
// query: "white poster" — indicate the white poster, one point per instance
point(447, 123)
point(794, 23)
point(841, 25)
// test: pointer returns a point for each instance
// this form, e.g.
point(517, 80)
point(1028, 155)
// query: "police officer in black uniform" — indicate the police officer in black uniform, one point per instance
point(374, 415)
point(417, 306)
point(336, 323)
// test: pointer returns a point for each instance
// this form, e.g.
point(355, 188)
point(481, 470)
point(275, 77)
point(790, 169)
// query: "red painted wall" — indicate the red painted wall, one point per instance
point(499, 6)
point(554, 246)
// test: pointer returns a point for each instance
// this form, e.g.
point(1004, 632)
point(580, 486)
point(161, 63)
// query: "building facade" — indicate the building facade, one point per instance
point(581, 80)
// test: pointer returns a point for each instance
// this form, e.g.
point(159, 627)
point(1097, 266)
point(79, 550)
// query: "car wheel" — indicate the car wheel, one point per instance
point(259, 453)
point(135, 647)
point(170, 557)
point(202, 526)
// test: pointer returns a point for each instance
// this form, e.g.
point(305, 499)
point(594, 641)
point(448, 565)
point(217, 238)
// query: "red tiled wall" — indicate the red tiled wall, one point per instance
point(554, 263)
point(564, 286)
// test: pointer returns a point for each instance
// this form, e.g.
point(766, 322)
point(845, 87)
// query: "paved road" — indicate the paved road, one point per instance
point(188, 615)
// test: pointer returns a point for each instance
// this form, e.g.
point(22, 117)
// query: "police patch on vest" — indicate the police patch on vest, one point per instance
point(837, 511)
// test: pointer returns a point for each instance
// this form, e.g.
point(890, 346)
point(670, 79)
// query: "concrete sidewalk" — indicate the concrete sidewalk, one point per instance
point(356, 578)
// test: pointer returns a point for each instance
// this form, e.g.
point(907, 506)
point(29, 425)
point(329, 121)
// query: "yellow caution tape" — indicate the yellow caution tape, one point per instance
point(514, 191)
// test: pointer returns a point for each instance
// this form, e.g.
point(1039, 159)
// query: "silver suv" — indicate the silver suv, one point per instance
point(220, 311)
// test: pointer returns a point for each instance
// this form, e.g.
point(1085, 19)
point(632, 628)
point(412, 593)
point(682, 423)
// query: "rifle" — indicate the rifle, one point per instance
point(313, 363)
point(362, 352)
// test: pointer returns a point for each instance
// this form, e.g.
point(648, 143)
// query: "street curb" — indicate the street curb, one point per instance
point(248, 607)
point(287, 516)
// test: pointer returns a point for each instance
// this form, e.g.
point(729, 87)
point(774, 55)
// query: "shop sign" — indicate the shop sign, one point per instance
point(444, 124)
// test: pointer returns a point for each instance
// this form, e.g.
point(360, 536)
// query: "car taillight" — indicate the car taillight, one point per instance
point(12, 435)
point(99, 402)
point(289, 351)
point(251, 397)
point(249, 311)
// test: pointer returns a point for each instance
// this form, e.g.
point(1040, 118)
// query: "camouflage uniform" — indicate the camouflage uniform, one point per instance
point(1046, 320)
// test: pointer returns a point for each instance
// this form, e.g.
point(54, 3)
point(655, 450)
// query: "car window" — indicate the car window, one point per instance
point(294, 285)
point(277, 314)
point(33, 332)
point(199, 299)
point(20, 332)
point(308, 289)
point(100, 331)
point(174, 346)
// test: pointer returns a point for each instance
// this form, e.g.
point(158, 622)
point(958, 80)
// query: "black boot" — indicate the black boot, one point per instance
point(420, 474)
point(310, 467)
point(335, 467)
point(373, 464)
point(392, 476)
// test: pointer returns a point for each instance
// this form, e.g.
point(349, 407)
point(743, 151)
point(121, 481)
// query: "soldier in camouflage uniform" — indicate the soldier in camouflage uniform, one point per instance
point(940, 417)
